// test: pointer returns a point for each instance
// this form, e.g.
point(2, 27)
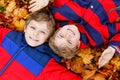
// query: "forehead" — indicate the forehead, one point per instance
point(39, 24)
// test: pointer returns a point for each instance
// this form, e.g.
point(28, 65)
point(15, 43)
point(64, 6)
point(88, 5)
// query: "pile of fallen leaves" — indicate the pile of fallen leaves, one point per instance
point(85, 65)
point(13, 14)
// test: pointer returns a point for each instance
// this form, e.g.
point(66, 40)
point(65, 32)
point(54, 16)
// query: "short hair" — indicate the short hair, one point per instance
point(43, 15)
point(63, 50)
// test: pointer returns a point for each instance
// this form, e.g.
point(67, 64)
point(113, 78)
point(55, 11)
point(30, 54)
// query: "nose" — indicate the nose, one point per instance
point(69, 36)
point(61, 41)
point(35, 33)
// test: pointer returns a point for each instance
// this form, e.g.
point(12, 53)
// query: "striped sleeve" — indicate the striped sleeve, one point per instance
point(112, 8)
point(115, 39)
point(117, 48)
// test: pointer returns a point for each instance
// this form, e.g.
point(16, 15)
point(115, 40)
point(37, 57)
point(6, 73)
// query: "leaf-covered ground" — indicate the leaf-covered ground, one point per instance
point(85, 65)
point(13, 13)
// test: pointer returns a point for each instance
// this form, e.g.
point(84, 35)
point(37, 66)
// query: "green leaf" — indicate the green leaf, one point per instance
point(2, 9)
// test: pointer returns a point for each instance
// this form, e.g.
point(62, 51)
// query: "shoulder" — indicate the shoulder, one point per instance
point(15, 36)
point(45, 48)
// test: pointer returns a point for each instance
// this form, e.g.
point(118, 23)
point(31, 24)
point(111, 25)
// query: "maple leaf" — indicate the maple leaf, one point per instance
point(116, 62)
point(87, 74)
point(86, 57)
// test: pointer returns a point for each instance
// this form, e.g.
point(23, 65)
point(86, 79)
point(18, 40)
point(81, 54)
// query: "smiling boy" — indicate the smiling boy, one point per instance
point(67, 40)
point(27, 56)
point(37, 33)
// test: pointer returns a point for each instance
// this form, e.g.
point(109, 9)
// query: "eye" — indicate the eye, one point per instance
point(42, 32)
point(69, 41)
point(32, 27)
point(61, 36)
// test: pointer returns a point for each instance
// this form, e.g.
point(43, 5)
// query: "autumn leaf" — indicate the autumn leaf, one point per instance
point(86, 57)
point(88, 74)
point(98, 77)
point(116, 62)
point(2, 9)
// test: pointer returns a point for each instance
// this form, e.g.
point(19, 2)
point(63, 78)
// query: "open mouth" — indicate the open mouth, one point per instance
point(71, 31)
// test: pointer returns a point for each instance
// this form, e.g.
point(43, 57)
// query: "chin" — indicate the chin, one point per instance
point(32, 45)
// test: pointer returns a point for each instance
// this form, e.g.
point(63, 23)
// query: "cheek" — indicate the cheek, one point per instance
point(57, 42)
point(76, 38)
point(42, 38)
point(75, 41)
point(27, 32)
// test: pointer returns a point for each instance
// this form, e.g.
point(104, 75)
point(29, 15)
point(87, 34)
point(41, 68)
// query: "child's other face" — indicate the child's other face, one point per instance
point(36, 33)
point(68, 35)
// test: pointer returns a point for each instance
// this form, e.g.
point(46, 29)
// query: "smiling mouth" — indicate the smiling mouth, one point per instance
point(71, 31)
point(33, 39)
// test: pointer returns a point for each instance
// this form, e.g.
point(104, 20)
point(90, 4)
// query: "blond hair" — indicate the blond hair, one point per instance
point(43, 15)
point(63, 50)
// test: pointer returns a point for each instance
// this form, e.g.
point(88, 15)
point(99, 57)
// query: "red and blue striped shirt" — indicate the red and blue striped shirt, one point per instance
point(95, 20)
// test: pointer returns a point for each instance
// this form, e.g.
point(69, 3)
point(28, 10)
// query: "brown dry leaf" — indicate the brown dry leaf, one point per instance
point(84, 51)
point(115, 76)
point(86, 57)
point(1, 2)
point(15, 13)
point(105, 72)
point(98, 77)
point(10, 7)
point(88, 74)
point(20, 13)
point(77, 65)
point(68, 64)
point(116, 62)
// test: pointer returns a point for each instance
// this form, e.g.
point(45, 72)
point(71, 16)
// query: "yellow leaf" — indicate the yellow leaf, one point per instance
point(88, 74)
point(11, 6)
point(86, 58)
point(116, 62)
point(1, 2)
point(19, 25)
point(22, 13)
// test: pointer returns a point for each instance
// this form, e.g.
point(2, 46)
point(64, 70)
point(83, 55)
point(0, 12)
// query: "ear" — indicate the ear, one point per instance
point(78, 44)
point(25, 28)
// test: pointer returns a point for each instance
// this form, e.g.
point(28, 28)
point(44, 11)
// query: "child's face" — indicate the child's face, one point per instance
point(68, 35)
point(36, 33)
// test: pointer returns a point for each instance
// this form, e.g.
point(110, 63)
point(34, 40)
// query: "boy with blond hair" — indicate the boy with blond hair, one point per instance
point(67, 40)
point(27, 56)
